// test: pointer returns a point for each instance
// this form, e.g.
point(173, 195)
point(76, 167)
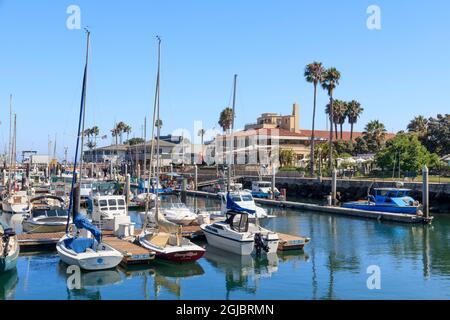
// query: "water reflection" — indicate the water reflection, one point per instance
point(242, 273)
point(8, 283)
point(165, 276)
point(90, 282)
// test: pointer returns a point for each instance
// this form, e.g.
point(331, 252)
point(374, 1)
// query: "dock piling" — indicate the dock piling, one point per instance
point(425, 192)
point(183, 190)
point(334, 187)
point(127, 188)
point(196, 178)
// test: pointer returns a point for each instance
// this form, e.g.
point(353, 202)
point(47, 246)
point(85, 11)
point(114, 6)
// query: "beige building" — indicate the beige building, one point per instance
point(275, 121)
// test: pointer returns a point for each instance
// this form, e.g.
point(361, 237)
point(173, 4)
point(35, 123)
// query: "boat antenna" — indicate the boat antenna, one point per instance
point(79, 133)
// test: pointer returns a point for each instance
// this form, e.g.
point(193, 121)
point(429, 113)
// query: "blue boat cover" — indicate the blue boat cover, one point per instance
point(82, 222)
point(233, 206)
point(79, 245)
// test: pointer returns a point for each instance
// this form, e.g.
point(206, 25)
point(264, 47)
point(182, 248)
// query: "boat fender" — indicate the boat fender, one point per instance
point(260, 245)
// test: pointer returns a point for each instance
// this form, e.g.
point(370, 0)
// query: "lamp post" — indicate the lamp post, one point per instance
point(320, 165)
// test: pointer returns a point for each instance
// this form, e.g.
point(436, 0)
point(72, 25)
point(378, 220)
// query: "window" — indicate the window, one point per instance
point(121, 202)
point(112, 202)
point(103, 203)
point(247, 197)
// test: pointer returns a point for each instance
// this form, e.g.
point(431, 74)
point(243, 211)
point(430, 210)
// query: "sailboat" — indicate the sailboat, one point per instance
point(166, 240)
point(88, 252)
point(9, 248)
point(15, 202)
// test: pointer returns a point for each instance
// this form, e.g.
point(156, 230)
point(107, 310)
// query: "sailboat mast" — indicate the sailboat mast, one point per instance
point(231, 151)
point(10, 145)
point(79, 132)
point(158, 126)
point(84, 104)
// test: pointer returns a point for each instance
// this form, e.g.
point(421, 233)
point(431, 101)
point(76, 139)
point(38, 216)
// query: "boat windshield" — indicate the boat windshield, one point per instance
point(403, 193)
point(247, 197)
point(264, 184)
point(239, 222)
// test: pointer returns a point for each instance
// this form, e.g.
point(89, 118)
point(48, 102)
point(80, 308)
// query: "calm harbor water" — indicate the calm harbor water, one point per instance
point(414, 261)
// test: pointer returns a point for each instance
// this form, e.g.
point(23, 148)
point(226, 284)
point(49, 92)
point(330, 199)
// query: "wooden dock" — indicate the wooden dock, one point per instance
point(381, 216)
point(29, 242)
point(132, 253)
point(289, 242)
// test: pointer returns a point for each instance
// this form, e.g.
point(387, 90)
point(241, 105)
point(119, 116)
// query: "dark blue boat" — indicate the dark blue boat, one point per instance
point(394, 200)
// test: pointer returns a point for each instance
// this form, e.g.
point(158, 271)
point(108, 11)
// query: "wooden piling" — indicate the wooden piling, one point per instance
point(334, 187)
point(425, 193)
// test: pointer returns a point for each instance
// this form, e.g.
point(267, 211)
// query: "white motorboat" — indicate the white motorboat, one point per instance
point(176, 212)
point(48, 214)
point(16, 203)
point(245, 200)
point(106, 207)
point(237, 235)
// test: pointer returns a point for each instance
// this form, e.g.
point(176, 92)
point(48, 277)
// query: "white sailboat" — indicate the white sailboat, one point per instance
point(88, 251)
point(166, 240)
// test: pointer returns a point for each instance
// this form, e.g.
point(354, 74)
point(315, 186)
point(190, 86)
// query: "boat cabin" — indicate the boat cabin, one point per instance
point(400, 197)
point(237, 221)
point(107, 207)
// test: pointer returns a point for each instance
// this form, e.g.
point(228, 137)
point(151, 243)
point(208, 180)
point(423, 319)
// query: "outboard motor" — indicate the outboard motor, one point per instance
point(8, 233)
point(260, 244)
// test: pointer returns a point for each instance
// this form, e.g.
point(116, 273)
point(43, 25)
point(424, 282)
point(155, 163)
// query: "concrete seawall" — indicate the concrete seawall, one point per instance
point(349, 190)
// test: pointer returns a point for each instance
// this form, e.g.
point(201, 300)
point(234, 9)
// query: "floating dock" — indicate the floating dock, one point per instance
point(30, 242)
point(290, 243)
point(383, 216)
point(132, 253)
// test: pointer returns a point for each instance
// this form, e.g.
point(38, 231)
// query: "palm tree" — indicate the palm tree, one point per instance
point(375, 134)
point(226, 119)
point(340, 111)
point(353, 112)
point(419, 125)
point(314, 73)
point(330, 82)
point(201, 134)
point(127, 129)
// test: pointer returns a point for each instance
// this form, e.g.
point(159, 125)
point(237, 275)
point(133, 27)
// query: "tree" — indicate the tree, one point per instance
point(340, 111)
point(127, 129)
point(314, 73)
point(134, 141)
point(405, 151)
point(437, 139)
point(201, 134)
point(226, 119)
point(418, 125)
point(375, 135)
point(287, 157)
point(330, 82)
point(353, 112)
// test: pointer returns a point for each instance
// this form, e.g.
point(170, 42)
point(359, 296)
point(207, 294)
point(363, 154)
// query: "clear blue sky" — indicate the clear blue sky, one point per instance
point(396, 73)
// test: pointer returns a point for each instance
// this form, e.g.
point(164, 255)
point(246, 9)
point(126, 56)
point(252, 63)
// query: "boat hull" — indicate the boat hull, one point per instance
point(32, 227)
point(380, 208)
point(90, 261)
point(15, 208)
point(9, 262)
point(183, 256)
point(239, 247)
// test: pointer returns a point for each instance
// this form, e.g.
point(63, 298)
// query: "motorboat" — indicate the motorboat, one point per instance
point(245, 200)
point(16, 203)
point(104, 208)
point(237, 235)
point(393, 200)
point(263, 190)
point(176, 212)
point(48, 214)
point(85, 191)
point(9, 248)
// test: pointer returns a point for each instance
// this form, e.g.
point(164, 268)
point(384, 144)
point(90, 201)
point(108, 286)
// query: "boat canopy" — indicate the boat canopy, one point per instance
point(233, 206)
point(83, 223)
